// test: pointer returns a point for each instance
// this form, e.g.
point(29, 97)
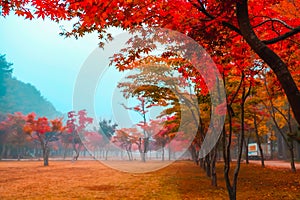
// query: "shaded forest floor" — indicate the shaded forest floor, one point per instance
point(180, 180)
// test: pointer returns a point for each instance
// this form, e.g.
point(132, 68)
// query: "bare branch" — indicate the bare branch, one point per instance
point(274, 20)
point(284, 36)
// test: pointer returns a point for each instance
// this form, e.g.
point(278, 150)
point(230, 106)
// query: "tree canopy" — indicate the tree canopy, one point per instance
point(270, 28)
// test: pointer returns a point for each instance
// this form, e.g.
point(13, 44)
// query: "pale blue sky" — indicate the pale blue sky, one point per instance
point(52, 63)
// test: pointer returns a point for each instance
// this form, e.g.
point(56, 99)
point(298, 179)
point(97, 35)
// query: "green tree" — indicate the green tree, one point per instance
point(5, 72)
point(106, 130)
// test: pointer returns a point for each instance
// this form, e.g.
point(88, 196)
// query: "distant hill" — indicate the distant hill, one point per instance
point(18, 96)
point(25, 98)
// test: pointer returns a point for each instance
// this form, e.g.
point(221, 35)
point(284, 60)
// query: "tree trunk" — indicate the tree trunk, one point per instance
point(291, 148)
point(3, 149)
point(46, 155)
point(247, 150)
point(146, 144)
point(169, 150)
point(194, 154)
point(226, 155)
point(162, 153)
point(128, 153)
point(241, 143)
point(208, 165)
point(267, 55)
point(106, 153)
point(77, 152)
point(231, 188)
point(65, 151)
point(128, 150)
point(272, 149)
point(258, 142)
point(226, 144)
point(18, 152)
point(201, 163)
point(140, 149)
point(213, 167)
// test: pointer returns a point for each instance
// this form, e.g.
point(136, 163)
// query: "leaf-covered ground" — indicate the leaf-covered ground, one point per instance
point(181, 180)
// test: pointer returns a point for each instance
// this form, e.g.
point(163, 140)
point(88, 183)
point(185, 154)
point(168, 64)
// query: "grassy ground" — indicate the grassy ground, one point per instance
point(180, 180)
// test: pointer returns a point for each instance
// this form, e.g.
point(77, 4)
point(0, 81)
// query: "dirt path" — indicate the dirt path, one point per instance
point(276, 163)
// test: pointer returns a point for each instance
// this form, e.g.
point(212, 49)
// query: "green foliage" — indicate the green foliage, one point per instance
point(16, 96)
point(5, 72)
point(25, 98)
point(107, 129)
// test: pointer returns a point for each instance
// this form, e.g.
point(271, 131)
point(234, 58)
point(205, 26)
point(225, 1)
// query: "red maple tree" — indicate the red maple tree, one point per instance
point(44, 131)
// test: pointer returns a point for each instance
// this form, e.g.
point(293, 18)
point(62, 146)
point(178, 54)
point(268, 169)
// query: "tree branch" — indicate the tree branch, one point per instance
point(282, 37)
point(273, 20)
point(201, 8)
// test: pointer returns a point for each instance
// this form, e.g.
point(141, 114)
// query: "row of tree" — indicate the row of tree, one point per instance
point(28, 135)
point(258, 110)
point(19, 132)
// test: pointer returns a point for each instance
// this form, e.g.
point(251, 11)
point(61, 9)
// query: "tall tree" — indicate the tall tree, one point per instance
point(281, 116)
point(142, 109)
point(5, 72)
point(76, 124)
point(106, 130)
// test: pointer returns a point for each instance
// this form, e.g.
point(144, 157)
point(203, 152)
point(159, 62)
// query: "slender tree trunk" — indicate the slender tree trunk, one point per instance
point(146, 138)
point(169, 151)
point(291, 149)
point(141, 150)
point(226, 155)
point(213, 167)
point(19, 153)
point(231, 188)
point(146, 147)
point(241, 143)
point(128, 150)
point(162, 153)
point(247, 150)
point(77, 152)
point(291, 142)
point(259, 142)
point(106, 153)
point(201, 163)
point(65, 151)
point(208, 165)
point(128, 153)
point(272, 149)
point(192, 150)
point(131, 155)
point(284, 136)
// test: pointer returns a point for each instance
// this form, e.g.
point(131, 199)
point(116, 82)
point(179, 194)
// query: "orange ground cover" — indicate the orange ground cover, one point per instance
point(180, 180)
